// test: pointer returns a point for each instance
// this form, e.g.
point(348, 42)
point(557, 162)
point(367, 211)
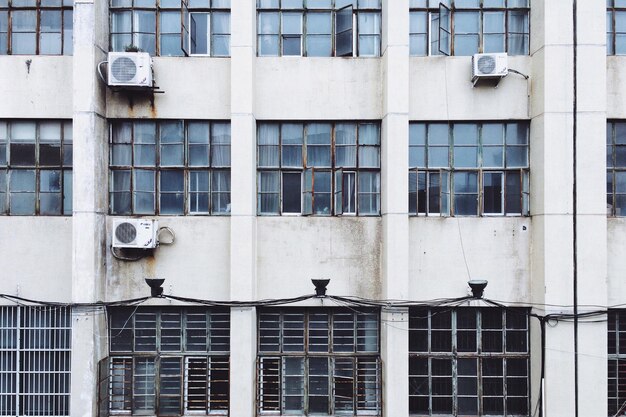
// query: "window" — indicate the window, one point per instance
point(468, 361)
point(36, 27)
point(169, 168)
point(319, 27)
point(467, 27)
point(203, 29)
point(319, 168)
point(616, 27)
point(35, 358)
point(468, 169)
point(616, 360)
point(319, 362)
point(166, 361)
point(36, 168)
point(616, 168)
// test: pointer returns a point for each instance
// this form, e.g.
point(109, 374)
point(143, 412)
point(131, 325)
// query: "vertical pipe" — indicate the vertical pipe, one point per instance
point(575, 202)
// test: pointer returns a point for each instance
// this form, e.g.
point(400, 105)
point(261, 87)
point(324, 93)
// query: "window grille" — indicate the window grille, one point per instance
point(319, 362)
point(35, 359)
point(616, 360)
point(167, 361)
point(468, 361)
point(616, 168)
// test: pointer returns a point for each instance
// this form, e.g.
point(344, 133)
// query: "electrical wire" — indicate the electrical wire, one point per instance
point(141, 255)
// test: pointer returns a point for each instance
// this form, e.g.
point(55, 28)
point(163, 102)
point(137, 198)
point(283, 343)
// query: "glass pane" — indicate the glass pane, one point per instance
point(292, 194)
point(318, 144)
point(172, 143)
point(199, 192)
point(199, 33)
point(143, 192)
point(172, 188)
point(492, 193)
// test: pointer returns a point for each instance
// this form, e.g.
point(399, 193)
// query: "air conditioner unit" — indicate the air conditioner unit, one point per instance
point(129, 69)
point(135, 233)
point(489, 69)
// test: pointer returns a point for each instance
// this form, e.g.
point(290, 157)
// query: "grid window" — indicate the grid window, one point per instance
point(319, 168)
point(616, 360)
point(319, 28)
point(467, 27)
point(468, 169)
point(319, 362)
point(169, 168)
point(168, 361)
point(41, 27)
point(190, 27)
point(616, 168)
point(36, 168)
point(468, 361)
point(35, 359)
point(616, 27)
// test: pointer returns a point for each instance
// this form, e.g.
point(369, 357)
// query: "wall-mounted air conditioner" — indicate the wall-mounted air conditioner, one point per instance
point(489, 69)
point(129, 69)
point(135, 233)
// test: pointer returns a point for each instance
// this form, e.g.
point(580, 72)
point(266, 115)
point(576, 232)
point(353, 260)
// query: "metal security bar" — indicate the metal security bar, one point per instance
point(167, 361)
point(35, 356)
point(319, 361)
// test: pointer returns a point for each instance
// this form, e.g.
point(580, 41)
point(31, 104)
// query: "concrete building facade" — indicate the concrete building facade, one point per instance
point(559, 255)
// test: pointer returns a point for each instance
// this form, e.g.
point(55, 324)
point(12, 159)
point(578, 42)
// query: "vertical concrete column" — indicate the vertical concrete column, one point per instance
point(394, 204)
point(243, 215)
point(591, 195)
point(552, 158)
point(90, 191)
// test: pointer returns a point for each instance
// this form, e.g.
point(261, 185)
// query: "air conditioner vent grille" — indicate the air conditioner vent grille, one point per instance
point(124, 69)
point(126, 232)
point(486, 64)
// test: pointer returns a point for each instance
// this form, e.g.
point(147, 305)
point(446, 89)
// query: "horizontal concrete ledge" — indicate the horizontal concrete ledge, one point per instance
point(90, 112)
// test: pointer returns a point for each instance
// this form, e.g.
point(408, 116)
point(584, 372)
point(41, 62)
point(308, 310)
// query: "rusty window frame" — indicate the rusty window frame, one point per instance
point(185, 9)
point(196, 338)
point(334, 168)
point(432, 11)
point(65, 8)
point(313, 334)
point(213, 168)
point(421, 173)
point(8, 167)
point(615, 168)
point(616, 360)
point(336, 5)
point(437, 337)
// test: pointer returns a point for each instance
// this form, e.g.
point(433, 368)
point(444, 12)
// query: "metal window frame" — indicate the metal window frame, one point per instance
point(481, 10)
point(615, 318)
point(479, 355)
point(186, 168)
point(356, 356)
point(38, 8)
point(613, 33)
point(304, 10)
point(524, 172)
point(333, 168)
point(185, 31)
point(612, 170)
point(56, 330)
point(216, 320)
point(37, 167)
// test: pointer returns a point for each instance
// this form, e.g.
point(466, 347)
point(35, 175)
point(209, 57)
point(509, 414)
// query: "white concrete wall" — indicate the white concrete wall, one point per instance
point(36, 257)
point(293, 250)
point(196, 265)
point(496, 249)
point(318, 88)
point(39, 90)
point(441, 89)
point(194, 88)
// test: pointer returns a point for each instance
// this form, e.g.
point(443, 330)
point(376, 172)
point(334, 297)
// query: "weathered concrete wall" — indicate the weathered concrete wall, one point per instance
point(196, 265)
point(41, 89)
point(36, 257)
point(293, 250)
point(318, 89)
point(496, 249)
point(615, 87)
